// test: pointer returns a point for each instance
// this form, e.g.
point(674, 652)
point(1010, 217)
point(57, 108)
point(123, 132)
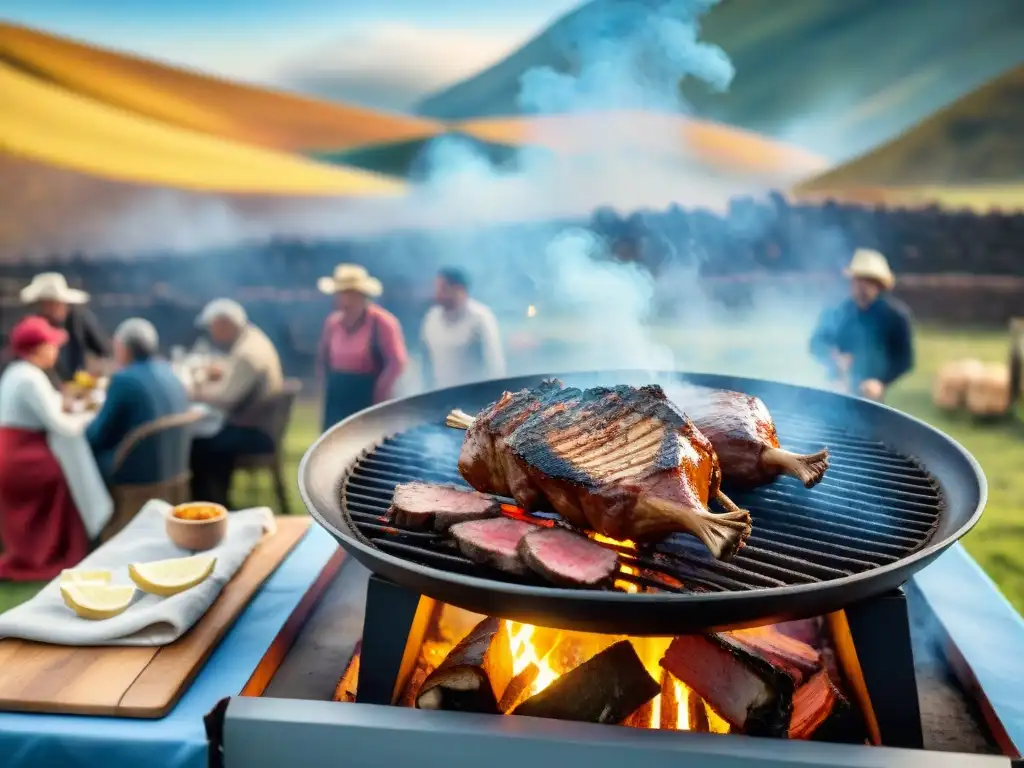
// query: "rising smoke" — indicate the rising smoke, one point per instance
point(627, 55)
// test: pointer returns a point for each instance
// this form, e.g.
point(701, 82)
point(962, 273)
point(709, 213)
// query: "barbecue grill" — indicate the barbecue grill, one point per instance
point(897, 495)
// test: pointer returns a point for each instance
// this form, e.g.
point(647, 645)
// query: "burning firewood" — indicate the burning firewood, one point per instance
point(797, 658)
point(698, 714)
point(518, 689)
point(822, 713)
point(749, 692)
point(474, 675)
point(606, 689)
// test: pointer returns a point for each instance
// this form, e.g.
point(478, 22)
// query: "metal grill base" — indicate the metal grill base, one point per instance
point(397, 618)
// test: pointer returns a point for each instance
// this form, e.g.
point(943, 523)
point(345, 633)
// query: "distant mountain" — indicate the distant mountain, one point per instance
point(976, 140)
point(835, 76)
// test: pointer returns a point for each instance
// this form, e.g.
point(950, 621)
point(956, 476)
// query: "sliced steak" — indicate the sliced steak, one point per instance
point(419, 506)
point(567, 558)
point(749, 692)
point(493, 542)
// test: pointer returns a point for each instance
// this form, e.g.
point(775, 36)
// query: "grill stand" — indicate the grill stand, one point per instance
point(880, 629)
point(397, 620)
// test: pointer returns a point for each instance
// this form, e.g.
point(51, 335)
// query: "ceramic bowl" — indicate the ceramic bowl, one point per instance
point(197, 534)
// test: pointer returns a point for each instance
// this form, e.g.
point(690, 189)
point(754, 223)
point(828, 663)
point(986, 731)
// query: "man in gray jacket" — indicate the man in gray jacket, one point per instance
point(239, 386)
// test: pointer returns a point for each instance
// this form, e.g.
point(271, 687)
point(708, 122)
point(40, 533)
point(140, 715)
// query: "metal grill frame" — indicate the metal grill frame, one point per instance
point(961, 482)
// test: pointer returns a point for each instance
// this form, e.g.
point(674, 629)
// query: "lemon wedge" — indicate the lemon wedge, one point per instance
point(74, 576)
point(97, 601)
point(169, 577)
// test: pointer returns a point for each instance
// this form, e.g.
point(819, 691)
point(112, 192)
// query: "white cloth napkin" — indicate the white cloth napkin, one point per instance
point(150, 620)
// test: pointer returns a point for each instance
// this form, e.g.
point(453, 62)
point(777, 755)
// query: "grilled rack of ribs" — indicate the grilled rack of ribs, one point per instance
point(743, 434)
point(621, 461)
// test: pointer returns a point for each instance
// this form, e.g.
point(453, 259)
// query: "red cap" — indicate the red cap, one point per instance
point(33, 331)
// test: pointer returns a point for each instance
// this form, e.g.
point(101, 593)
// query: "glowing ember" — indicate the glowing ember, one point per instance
point(626, 586)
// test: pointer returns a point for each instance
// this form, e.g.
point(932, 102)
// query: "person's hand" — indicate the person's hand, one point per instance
point(872, 389)
point(843, 362)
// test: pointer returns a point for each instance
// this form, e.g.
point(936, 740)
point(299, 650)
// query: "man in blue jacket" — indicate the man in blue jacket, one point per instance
point(143, 390)
point(867, 341)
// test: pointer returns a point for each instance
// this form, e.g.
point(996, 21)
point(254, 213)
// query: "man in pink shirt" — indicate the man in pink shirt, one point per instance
point(362, 350)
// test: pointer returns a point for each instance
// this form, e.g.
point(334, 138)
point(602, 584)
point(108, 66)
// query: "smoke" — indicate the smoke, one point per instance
point(629, 58)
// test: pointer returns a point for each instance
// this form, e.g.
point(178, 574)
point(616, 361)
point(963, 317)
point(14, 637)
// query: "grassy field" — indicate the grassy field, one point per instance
point(997, 542)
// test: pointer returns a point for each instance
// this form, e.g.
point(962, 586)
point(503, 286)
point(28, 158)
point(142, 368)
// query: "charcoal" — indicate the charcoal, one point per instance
point(748, 691)
point(493, 542)
point(419, 506)
point(606, 689)
point(568, 559)
point(474, 675)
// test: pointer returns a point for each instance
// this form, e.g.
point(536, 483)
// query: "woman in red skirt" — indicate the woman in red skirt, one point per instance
point(40, 529)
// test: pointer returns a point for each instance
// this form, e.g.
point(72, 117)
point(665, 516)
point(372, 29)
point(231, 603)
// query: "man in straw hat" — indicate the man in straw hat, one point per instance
point(65, 308)
point(362, 350)
point(867, 341)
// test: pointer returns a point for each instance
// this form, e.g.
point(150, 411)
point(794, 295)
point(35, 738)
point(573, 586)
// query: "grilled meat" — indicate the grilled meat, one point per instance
point(493, 542)
point(621, 461)
point(743, 434)
point(424, 505)
point(567, 558)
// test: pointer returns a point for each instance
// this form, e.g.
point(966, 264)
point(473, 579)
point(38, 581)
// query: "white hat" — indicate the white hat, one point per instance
point(350, 277)
point(223, 308)
point(51, 286)
point(871, 265)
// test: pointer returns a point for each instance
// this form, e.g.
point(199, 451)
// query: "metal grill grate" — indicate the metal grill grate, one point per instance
point(873, 508)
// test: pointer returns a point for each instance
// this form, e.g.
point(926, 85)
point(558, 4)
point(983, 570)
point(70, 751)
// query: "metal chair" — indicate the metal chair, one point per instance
point(130, 498)
point(275, 416)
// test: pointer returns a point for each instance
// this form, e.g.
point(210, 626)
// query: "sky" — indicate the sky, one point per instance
point(384, 53)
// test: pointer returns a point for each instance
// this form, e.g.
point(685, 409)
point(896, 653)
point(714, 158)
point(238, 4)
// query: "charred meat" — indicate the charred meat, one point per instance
point(419, 506)
point(567, 558)
point(493, 542)
point(621, 461)
point(743, 434)
point(752, 694)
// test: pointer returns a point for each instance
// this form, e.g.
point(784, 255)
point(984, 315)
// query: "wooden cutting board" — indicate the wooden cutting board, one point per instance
point(135, 682)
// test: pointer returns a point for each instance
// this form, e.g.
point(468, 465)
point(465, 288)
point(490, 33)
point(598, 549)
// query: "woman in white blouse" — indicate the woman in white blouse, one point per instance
point(40, 528)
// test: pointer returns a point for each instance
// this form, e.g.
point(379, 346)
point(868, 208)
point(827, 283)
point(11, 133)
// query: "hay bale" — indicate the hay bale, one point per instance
point(949, 390)
point(988, 392)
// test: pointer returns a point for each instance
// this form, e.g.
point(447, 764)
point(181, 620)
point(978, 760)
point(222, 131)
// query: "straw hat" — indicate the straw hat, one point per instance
point(871, 265)
point(51, 286)
point(350, 277)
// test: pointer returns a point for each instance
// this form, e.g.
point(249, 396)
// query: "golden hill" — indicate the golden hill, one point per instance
point(721, 148)
point(974, 141)
point(189, 100)
point(44, 122)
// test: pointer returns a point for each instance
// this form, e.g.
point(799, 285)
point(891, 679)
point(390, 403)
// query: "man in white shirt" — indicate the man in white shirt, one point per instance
point(460, 335)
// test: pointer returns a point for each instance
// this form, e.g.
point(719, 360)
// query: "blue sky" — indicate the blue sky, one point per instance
point(383, 52)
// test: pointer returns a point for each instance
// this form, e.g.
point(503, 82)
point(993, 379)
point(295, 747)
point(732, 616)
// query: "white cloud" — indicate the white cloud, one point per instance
point(393, 65)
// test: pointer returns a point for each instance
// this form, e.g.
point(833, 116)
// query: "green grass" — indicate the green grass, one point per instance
point(998, 540)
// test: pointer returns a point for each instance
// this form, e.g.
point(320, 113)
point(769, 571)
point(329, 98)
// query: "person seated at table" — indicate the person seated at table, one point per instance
point(40, 528)
point(143, 390)
point(239, 385)
point(65, 308)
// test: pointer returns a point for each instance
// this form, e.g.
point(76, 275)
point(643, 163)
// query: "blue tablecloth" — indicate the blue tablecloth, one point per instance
point(178, 740)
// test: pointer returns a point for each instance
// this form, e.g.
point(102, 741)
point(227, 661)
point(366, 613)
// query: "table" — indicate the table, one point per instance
point(178, 740)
